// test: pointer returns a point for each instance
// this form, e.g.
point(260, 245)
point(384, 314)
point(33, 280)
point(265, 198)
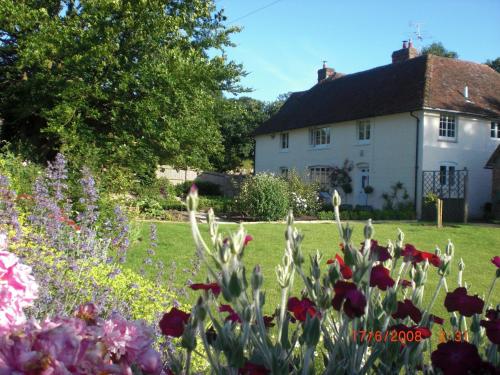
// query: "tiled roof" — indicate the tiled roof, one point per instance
point(422, 82)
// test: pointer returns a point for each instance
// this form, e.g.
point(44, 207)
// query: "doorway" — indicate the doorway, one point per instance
point(363, 181)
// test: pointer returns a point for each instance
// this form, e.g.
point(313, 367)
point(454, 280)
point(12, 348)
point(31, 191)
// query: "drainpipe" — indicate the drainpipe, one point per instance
point(416, 159)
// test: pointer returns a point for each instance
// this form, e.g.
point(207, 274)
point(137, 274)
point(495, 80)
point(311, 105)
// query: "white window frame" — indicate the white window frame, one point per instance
point(283, 172)
point(495, 130)
point(321, 175)
point(447, 167)
point(320, 137)
point(284, 141)
point(447, 127)
point(363, 132)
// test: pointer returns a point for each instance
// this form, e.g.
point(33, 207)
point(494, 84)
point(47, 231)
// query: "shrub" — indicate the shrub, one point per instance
point(303, 196)
point(264, 196)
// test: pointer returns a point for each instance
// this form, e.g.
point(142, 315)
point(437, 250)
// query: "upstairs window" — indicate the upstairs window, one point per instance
point(495, 130)
point(319, 137)
point(447, 127)
point(284, 141)
point(364, 132)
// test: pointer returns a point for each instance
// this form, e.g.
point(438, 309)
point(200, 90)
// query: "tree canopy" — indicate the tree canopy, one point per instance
point(125, 83)
point(494, 64)
point(438, 49)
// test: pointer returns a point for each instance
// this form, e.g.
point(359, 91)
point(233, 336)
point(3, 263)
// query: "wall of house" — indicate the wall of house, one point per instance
point(471, 150)
point(495, 193)
point(390, 155)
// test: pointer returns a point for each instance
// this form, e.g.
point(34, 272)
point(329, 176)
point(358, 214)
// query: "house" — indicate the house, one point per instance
point(494, 164)
point(428, 122)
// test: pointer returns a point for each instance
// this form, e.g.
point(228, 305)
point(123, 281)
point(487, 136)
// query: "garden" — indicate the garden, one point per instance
point(88, 288)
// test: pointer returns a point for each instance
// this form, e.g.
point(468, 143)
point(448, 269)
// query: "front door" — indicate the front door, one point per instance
point(363, 181)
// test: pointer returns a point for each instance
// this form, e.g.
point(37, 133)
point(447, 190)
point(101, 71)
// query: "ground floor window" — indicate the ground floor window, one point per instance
point(321, 175)
point(284, 172)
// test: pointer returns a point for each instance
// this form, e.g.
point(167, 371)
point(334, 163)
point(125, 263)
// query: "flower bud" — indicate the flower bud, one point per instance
point(311, 331)
point(336, 201)
point(257, 278)
point(475, 324)
point(192, 198)
point(368, 230)
point(189, 338)
point(454, 322)
point(390, 303)
point(401, 238)
point(334, 273)
point(234, 285)
point(315, 268)
point(461, 265)
point(200, 312)
point(289, 218)
point(450, 249)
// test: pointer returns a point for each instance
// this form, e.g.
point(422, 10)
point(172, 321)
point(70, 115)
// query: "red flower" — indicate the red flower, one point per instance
point(233, 316)
point(492, 325)
point(214, 287)
point(253, 369)
point(248, 238)
point(456, 358)
point(172, 323)
point(458, 300)
point(436, 319)
point(380, 277)
point(407, 308)
point(300, 308)
point(405, 283)
point(355, 301)
point(345, 270)
point(417, 256)
point(268, 321)
point(381, 253)
point(496, 261)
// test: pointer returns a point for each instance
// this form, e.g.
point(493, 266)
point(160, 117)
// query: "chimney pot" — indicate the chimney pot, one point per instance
point(404, 44)
point(410, 44)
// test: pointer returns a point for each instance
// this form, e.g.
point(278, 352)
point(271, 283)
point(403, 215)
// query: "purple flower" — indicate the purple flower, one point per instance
point(354, 301)
point(381, 278)
point(456, 358)
point(407, 308)
point(458, 300)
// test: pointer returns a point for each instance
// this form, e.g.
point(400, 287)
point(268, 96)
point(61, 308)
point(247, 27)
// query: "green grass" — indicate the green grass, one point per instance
point(474, 243)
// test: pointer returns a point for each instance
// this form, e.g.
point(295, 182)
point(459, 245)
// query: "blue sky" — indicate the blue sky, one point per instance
point(283, 45)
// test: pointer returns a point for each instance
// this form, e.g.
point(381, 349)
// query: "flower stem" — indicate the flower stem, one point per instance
point(188, 361)
point(284, 295)
point(307, 360)
point(487, 301)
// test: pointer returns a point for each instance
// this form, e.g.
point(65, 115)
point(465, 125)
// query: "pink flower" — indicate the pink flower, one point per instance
point(407, 308)
point(302, 308)
point(345, 270)
point(18, 288)
point(214, 287)
point(247, 239)
point(496, 261)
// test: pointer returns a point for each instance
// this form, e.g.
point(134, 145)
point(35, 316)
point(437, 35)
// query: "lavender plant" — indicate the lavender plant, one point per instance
point(364, 315)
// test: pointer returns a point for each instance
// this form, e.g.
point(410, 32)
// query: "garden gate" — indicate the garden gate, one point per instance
point(447, 184)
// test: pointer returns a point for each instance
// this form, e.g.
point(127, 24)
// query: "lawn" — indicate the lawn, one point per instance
point(476, 244)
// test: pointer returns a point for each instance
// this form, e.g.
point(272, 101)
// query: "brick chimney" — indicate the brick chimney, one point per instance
point(325, 72)
point(406, 53)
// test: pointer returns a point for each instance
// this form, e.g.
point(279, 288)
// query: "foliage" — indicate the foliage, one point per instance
point(303, 196)
point(264, 196)
point(494, 64)
point(115, 84)
point(340, 177)
point(368, 189)
point(21, 173)
point(397, 198)
point(438, 49)
point(238, 119)
point(357, 214)
point(204, 187)
point(365, 314)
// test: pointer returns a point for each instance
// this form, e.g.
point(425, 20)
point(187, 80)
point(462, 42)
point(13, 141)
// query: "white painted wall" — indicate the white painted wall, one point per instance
point(472, 149)
point(390, 154)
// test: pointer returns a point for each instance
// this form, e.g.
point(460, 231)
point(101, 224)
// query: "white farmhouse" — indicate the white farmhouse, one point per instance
point(428, 122)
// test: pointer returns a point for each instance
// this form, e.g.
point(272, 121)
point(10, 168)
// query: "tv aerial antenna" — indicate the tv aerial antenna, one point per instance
point(419, 35)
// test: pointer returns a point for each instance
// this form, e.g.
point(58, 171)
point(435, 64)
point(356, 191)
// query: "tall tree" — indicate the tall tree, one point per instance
point(125, 83)
point(494, 64)
point(438, 49)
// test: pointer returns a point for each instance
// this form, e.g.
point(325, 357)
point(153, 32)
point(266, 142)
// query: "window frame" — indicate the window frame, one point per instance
point(321, 133)
point(447, 124)
point(284, 171)
point(323, 179)
point(446, 178)
point(363, 127)
point(495, 130)
point(284, 138)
